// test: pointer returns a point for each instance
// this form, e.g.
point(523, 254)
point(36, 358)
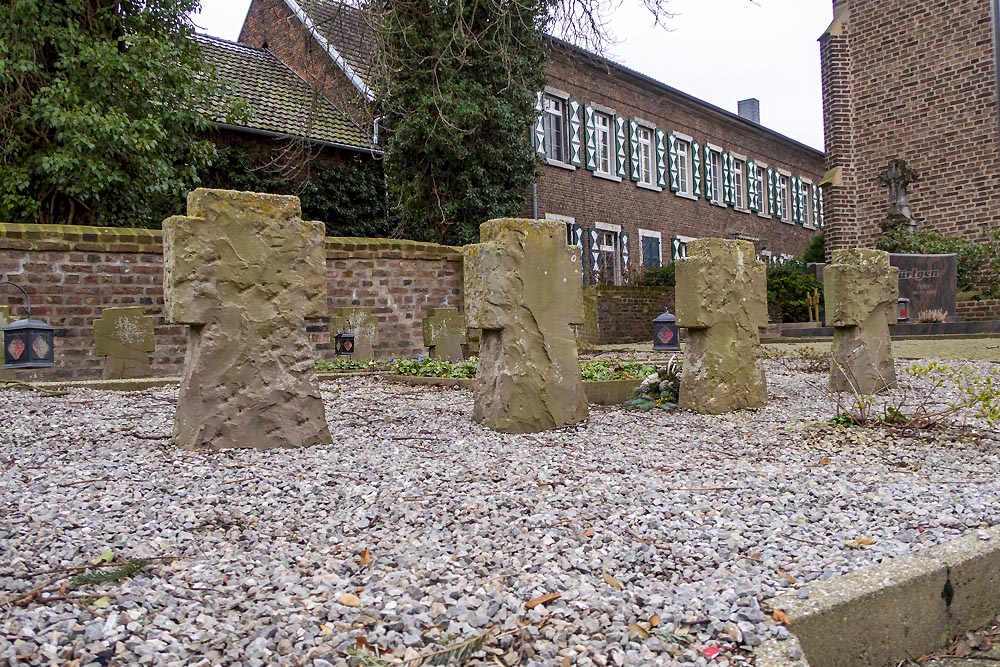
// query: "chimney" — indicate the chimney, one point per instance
point(749, 109)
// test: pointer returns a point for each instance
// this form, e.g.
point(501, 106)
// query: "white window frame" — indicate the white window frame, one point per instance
point(563, 101)
point(685, 177)
point(648, 233)
point(807, 214)
point(604, 141)
point(740, 190)
point(615, 250)
point(765, 202)
point(715, 155)
point(647, 155)
point(785, 187)
point(569, 225)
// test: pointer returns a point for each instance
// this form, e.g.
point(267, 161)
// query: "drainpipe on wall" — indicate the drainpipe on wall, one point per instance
point(534, 195)
point(375, 130)
point(995, 6)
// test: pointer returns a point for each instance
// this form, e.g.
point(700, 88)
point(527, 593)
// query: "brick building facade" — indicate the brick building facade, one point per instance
point(635, 168)
point(916, 81)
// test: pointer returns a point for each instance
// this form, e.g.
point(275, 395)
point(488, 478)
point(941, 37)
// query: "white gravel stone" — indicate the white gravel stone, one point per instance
point(694, 519)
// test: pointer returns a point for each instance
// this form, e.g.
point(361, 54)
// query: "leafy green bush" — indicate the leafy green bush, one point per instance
point(816, 250)
point(978, 263)
point(348, 364)
point(787, 287)
point(597, 370)
point(658, 276)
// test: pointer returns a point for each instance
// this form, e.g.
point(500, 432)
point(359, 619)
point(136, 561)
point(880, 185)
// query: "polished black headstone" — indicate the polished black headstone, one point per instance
point(928, 281)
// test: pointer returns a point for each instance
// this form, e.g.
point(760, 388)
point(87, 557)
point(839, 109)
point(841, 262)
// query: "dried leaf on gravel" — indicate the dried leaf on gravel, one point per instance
point(781, 617)
point(654, 621)
point(639, 630)
point(542, 599)
point(349, 600)
point(365, 559)
point(611, 581)
point(787, 577)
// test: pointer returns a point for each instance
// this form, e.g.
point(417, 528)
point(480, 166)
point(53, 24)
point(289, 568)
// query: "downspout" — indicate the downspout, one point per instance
point(995, 5)
point(534, 195)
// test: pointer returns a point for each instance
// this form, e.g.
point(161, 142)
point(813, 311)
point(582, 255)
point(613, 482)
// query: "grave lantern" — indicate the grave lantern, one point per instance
point(902, 310)
point(665, 336)
point(344, 343)
point(27, 343)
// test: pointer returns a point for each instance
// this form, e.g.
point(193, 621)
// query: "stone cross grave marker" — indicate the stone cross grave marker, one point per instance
point(860, 289)
point(363, 324)
point(124, 337)
point(523, 288)
point(722, 300)
point(897, 177)
point(245, 272)
point(444, 333)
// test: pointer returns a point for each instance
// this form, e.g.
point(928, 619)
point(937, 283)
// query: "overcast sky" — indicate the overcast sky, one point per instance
point(720, 51)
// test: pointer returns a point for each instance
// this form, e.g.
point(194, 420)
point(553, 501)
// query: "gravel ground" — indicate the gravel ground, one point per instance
point(658, 537)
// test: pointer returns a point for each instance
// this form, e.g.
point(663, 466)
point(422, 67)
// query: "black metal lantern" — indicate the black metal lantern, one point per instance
point(902, 310)
point(344, 343)
point(28, 343)
point(665, 335)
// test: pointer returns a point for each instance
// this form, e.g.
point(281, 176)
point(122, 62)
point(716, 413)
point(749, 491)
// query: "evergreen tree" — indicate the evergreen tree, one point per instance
point(99, 106)
point(458, 85)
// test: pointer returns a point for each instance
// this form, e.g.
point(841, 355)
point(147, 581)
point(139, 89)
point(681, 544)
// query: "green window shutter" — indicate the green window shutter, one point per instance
point(793, 197)
point(621, 148)
point(575, 134)
point(678, 249)
point(696, 170)
point(803, 202)
point(633, 138)
point(815, 200)
point(772, 205)
point(820, 222)
point(595, 257)
point(728, 197)
point(623, 241)
point(580, 241)
point(539, 130)
point(675, 174)
point(753, 195)
point(709, 173)
point(661, 159)
point(591, 135)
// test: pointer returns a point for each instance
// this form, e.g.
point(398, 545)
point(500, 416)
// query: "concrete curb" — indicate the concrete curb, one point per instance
point(903, 608)
point(133, 384)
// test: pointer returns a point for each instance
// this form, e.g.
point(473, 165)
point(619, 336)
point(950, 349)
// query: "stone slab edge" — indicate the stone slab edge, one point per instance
point(133, 384)
point(610, 392)
point(903, 608)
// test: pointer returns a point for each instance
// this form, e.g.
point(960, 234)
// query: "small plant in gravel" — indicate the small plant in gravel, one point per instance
point(341, 364)
point(601, 370)
point(660, 389)
point(979, 394)
point(435, 368)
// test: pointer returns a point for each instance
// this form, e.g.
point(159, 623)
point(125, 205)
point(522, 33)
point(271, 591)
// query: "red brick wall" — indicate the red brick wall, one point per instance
point(623, 314)
point(912, 80)
point(73, 273)
point(589, 199)
point(979, 311)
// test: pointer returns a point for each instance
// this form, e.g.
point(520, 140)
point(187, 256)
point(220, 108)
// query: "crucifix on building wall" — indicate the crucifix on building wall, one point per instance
point(896, 177)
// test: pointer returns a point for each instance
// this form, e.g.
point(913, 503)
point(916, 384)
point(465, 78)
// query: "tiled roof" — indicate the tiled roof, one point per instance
point(347, 29)
point(278, 100)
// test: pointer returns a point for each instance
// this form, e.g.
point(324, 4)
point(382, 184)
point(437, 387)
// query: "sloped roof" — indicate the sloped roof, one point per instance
point(278, 100)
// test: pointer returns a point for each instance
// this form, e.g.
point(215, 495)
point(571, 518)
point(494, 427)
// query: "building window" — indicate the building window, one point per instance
point(785, 204)
point(607, 251)
point(739, 177)
point(678, 247)
point(644, 135)
point(684, 166)
point(715, 158)
point(649, 248)
point(555, 129)
point(602, 142)
point(807, 204)
point(763, 194)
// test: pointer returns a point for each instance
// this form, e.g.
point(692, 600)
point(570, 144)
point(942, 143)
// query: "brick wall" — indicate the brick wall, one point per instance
point(979, 311)
point(622, 314)
point(911, 80)
point(72, 273)
point(589, 199)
